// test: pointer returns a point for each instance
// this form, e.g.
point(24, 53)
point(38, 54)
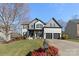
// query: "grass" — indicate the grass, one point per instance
point(74, 40)
point(19, 48)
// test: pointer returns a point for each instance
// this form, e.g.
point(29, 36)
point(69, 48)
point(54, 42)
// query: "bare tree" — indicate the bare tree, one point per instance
point(11, 16)
point(62, 23)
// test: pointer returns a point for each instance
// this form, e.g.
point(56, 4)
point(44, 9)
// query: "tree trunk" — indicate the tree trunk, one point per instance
point(8, 37)
point(7, 33)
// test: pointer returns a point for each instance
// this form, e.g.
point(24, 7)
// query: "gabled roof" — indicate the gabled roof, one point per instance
point(40, 21)
point(28, 22)
point(57, 22)
point(37, 21)
point(74, 20)
point(33, 20)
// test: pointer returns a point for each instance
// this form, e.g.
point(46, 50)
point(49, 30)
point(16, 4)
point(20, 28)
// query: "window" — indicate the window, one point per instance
point(52, 25)
point(32, 26)
point(39, 26)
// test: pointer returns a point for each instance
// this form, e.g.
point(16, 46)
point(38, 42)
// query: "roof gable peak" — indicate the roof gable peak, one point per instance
point(39, 20)
point(56, 22)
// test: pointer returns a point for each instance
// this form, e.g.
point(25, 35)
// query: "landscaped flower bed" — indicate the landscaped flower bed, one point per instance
point(50, 51)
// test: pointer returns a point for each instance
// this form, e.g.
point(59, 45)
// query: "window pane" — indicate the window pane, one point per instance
point(39, 26)
point(32, 26)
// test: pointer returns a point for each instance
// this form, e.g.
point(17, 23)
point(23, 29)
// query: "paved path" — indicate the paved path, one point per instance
point(67, 48)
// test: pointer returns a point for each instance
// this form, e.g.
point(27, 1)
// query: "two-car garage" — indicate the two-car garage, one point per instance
point(52, 33)
point(48, 35)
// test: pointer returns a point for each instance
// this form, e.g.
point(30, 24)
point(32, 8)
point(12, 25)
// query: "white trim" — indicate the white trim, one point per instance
point(39, 22)
point(52, 30)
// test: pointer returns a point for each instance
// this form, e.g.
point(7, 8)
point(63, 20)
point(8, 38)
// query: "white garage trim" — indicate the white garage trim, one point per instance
point(52, 30)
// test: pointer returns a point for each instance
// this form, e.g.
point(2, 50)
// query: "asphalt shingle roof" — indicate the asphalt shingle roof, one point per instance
point(75, 20)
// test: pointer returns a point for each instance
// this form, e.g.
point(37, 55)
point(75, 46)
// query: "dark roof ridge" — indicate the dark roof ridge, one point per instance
point(56, 21)
point(39, 20)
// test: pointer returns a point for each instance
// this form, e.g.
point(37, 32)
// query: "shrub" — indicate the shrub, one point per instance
point(39, 52)
point(65, 36)
point(34, 53)
point(50, 51)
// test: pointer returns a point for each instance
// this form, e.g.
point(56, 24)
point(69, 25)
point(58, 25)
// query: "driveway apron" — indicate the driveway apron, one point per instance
point(66, 48)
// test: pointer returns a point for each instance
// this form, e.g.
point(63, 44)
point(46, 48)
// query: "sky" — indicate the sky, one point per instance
point(61, 11)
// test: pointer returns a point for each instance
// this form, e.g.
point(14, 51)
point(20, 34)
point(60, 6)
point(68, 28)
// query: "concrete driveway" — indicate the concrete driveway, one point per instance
point(67, 48)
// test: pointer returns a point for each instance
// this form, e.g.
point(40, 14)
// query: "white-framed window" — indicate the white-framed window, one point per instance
point(52, 25)
point(39, 26)
point(32, 26)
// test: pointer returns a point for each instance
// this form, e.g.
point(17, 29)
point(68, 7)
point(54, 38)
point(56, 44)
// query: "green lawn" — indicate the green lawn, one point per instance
point(19, 48)
point(75, 40)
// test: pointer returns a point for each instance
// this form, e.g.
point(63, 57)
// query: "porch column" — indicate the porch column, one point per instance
point(27, 33)
point(34, 35)
point(52, 35)
point(60, 35)
point(44, 35)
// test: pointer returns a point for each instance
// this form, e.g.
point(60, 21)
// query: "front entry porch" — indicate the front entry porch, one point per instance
point(36, 33)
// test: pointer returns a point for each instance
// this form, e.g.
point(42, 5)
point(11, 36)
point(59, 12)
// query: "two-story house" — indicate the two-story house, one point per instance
point(38, 29)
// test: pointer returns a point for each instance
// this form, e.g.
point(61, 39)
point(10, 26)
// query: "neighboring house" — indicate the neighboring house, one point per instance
point(38, 29)
point(72, 28)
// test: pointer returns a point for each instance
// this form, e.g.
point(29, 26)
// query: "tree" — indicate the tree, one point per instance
point(62, 23)
point(11, 16)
